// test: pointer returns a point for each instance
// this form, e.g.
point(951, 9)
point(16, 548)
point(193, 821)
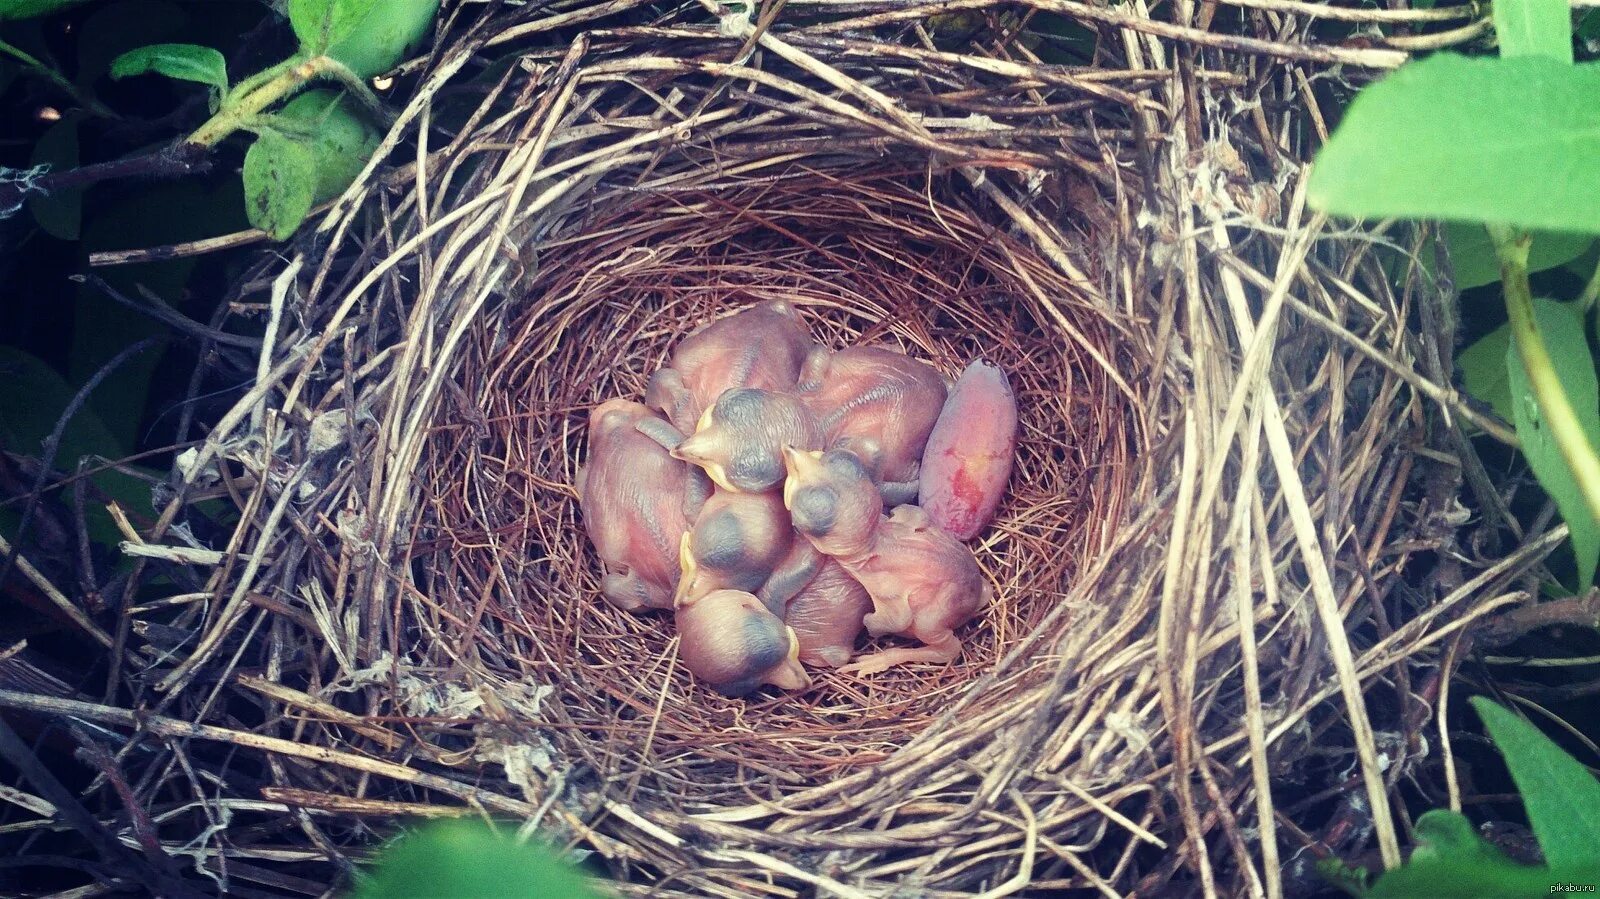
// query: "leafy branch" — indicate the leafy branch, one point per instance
point(303, 152)
point(1512, 144)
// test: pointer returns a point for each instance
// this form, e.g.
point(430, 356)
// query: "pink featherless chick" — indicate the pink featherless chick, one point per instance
point(637, 501)
point(922, 581)
point(826, 615)
point(879, 404)
point(760, 346)
point(731, 641)
point(739, 440)
point(968, 457)
point(743, 541)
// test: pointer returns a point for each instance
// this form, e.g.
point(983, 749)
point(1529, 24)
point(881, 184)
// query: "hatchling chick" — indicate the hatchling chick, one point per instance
point(969, 455)
point(879, 404)
point(739, 440)
point(760, 346)
point(637, 501)
point(743, 541)
point(826, 616)
point(732, 642)
point(922, 581)
point(924, 584)
point(832, 501)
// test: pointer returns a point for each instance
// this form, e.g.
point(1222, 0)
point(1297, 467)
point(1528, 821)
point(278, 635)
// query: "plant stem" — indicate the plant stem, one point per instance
point(60, 81)
point(1591, 291)
point(1555, 407)
point(255, 94)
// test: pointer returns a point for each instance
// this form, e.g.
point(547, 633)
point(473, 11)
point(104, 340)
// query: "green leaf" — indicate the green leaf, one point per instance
point(185, 62)
point(60, 213)
point(1493, 140)
point(1483, 370)
point(280, 182)
point(1474, 263)
point(27, 9)
point(1452, 860)
point(368, 36)
point(115, 28)
point(1534, 28)
point(1561, 326)
point(464, 858)
point(1561, 796)
point(342, 138)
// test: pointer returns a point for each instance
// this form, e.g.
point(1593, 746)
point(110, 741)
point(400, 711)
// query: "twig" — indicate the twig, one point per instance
point(1574, 611)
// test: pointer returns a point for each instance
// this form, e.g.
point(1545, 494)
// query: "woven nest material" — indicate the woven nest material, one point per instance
point(1228, 416)
point(868, 258)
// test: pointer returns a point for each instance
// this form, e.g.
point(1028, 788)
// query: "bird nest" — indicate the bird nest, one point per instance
point(868, 255)
point(1218, 629)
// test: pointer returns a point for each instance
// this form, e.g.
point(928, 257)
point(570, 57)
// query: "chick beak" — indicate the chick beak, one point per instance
point(689, 569)
point(698, 449)
point(801, 465)
point(789, 674)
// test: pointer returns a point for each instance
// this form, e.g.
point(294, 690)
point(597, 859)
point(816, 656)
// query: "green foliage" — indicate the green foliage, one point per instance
point(60, 213)
point(1562, 797)
point(1452, 860)
point(1562, 328)
point(368, 36)
point(1563, 803)
point(186, 62)
point(115, 28)
point(27, 9)
point(1534, 28)
point(464, 858)
point(280, 182)
point(1512, 140)
point(342, 140)
point(1484, 370)
point(1473, 262)
point(1512, 143)
point(307, 153)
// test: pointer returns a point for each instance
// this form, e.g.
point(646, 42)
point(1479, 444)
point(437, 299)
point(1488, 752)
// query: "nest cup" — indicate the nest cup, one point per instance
point(868, 258)
point(1232, 465)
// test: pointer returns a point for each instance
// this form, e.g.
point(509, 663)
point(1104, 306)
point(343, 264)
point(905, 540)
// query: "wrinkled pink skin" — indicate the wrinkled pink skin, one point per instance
point(732, 642)
point(736, 543)
point(969, 454)
point(637, 501)
point(922, 581)
point(761, 346)
point(826, 616)
point(879, 404)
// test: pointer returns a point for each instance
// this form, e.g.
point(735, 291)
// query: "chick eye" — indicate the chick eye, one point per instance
point(739, 404)
point(814, 509)
point(752, 464)
point(845, 464)
point(719, 540)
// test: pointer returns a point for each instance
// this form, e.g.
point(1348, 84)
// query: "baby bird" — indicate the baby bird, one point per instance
point(736, 543)
point(968, 458)
point(922, 581)
point(729, 640)
point(829, 502)
point(826, 616)
point(879, 404)
point(740, 439)
point(760, 346)
point(637, 500)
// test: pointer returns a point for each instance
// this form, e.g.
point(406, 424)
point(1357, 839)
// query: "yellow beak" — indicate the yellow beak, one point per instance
point(801, 465)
